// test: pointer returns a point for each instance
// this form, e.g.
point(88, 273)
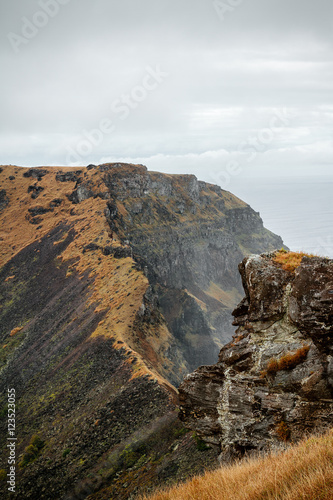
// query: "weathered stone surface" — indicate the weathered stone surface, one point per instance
point(80, 194)
point(56, 202)
point(36, 173)
point(38, 210)
point(189, 236)
point(91, 342)
point(243, 403)
point(35, 190)
point(69, 176)
point(264, 284)
point(200, 401)
point(311, 299)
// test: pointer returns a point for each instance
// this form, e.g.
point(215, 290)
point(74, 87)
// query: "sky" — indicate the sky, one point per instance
point(229, 90)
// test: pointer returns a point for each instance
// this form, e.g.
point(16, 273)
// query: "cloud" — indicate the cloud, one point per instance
point(226, 81)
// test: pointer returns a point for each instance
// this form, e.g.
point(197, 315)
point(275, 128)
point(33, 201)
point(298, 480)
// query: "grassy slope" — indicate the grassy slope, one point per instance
point(114, 282)
point(84, 366)
point(302, 472)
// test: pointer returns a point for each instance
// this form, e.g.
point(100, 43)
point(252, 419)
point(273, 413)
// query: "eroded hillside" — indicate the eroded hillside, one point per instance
point(114, 283)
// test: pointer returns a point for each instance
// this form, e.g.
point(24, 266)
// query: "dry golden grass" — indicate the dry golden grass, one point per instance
point(292, 359)
point(16, 330)
point(290, 260)
point(15, 230)
point(303, 472)
point(287, 362)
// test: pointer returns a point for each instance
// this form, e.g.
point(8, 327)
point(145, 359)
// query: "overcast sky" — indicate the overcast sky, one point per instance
point(215, 88)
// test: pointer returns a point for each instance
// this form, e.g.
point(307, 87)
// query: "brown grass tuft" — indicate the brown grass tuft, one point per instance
point(289, 261)
point(16, 330)
point(303, 472)
point(287, 362)
point(272, 366)
point(283, 431)
point(291, 360)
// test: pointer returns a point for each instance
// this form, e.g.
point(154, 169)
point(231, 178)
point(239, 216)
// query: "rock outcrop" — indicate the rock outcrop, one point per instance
point(274, 381)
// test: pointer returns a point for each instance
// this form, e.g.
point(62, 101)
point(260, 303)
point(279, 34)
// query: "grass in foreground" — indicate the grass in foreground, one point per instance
point(303, 472)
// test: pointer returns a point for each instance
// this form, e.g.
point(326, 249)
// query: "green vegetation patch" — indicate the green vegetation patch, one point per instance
point(32, 451)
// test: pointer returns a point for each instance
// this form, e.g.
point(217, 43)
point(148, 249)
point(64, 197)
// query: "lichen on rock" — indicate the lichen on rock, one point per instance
point(277, 373)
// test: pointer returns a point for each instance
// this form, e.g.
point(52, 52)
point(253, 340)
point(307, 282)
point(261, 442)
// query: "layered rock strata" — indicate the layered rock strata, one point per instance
point(274, 381)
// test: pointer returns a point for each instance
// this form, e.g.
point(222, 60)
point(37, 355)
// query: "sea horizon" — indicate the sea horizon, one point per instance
point(300, 210)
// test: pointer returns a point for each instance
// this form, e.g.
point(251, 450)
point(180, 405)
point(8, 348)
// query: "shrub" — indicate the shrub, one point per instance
point(37, 442)
point(289, 261)
point(16, 330)
point(4, 411)
point(32, 451)
point(180, 432)
point(291, 360)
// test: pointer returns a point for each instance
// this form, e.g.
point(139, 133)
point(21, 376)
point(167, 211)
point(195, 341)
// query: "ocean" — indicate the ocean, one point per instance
point(300, 210)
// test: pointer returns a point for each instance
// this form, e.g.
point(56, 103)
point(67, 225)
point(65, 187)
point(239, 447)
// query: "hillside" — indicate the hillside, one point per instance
point(115, 282)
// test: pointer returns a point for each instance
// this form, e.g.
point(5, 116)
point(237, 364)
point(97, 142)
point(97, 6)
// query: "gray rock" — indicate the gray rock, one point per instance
point(252, 405)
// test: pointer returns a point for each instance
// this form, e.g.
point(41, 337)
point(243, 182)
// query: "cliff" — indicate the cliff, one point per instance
point(273, 382)
point(114, 283)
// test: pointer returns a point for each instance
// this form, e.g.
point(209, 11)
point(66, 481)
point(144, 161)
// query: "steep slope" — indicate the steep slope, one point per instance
point(274, 382)
point(113, 283)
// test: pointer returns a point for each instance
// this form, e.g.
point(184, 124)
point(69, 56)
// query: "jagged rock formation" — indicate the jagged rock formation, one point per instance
point(274, 381)
point(113, 283)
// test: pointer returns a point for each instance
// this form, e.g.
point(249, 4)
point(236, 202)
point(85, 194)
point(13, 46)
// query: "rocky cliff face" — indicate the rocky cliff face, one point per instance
point(189, 236)
point(114, 282)
point(274, 381)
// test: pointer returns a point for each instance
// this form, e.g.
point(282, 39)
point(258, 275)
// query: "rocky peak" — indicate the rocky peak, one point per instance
point(274, 381)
